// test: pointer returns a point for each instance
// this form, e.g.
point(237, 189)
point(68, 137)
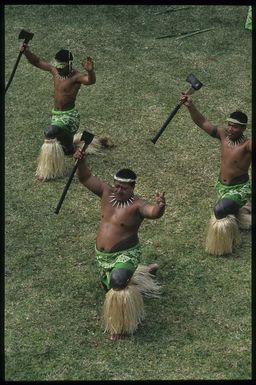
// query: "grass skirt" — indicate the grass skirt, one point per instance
point(96, 146)
point(222, 235)
point(50, 161)
point(244, 217)
point(146, 282)
point(124, 309)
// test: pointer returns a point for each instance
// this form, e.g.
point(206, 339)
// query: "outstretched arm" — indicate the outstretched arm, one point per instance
point(90, 77)
point(154, 211)
point(198, 118)
point(35, 60)
point(85, 176)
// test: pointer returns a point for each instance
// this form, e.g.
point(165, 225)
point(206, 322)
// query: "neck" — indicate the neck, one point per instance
point(235, 142)
point(64, 75)
point(115, 202)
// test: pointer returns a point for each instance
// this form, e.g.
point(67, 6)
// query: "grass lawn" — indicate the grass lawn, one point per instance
point(201, 327)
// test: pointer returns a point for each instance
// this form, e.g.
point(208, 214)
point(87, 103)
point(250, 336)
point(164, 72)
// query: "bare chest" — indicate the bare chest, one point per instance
point(125, 216)
point(232, 153)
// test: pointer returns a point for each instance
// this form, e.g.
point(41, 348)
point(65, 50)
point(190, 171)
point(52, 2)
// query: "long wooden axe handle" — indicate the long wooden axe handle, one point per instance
point(87, 137)
point(26, 36)
point(195, 85)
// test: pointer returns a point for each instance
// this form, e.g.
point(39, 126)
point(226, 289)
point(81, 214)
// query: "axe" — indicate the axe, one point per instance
point(87, 138)
point(26, 36)
point(195, 85)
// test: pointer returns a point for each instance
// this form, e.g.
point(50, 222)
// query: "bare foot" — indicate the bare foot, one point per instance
point(115, 337)
point(153, 267)
point(41, 179)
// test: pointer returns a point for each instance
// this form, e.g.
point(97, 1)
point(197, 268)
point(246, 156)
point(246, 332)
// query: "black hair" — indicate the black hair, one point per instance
point(64, 56)
point(240, 116)
point(127, 173)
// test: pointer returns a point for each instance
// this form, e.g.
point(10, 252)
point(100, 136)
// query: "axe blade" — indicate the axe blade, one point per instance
point(22, 35)
point(87, 137)
point(195, 83)
point(26, 35)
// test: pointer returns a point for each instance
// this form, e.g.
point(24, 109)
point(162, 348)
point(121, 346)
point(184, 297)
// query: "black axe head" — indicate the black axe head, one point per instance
point(26, 35)
point(87, 137)
point(195, 83)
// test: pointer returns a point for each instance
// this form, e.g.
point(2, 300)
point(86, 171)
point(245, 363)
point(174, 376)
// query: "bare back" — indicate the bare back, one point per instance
point(65, 90)
point(67, 82)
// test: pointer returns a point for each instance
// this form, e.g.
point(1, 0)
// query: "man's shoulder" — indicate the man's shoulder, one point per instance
point(76, 77)
point(221, 132)
point(76, 73)
point(217, 131)
point(140, 201)
point(248, 143)
point(107, 188)
point(53, 69)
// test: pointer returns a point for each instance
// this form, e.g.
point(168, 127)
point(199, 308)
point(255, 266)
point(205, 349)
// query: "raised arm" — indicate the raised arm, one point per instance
point(154, 211)
point(198, 118)
point(35, 60)
point(85, 176)
point(90, 77)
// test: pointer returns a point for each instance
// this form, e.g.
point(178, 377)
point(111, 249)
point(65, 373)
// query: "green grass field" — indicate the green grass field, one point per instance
point(201, 327)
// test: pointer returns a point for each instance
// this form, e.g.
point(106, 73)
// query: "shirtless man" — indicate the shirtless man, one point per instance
point(65, 117)
point(67, 82)
point(233, 184)
point(118, 251)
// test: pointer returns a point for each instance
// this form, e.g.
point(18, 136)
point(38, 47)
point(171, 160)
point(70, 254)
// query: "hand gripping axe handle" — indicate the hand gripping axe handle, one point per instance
point(87, 138)
point(26, 36)
point(195, 85)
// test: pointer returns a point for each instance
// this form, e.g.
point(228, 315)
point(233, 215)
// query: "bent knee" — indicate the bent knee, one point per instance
point(64, 137)
point(120, 278)
point(225, 207)
point(52, 132)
